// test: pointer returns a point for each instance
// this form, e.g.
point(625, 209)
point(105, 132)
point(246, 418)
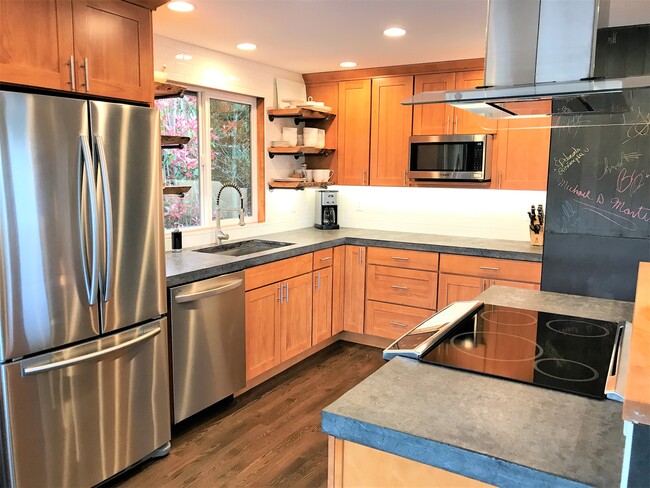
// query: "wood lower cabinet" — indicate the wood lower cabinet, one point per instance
point(46, 44)
point(354, 132)
point(410, 287)
point(391, 320)
point(390, 128)
point(338, 289)
point(456, 288)
point(354, 289)
point(296, 316)
point(322, 300)
point(262, 329)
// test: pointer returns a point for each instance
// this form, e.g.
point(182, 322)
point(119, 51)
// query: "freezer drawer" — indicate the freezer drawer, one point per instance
point(208, 342)
point(76, 417)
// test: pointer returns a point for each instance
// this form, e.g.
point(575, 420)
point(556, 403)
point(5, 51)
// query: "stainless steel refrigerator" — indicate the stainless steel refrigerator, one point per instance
point(83, 328)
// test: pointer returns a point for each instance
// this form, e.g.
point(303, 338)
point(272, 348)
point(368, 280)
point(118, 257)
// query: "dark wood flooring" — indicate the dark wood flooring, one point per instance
point(269, 436)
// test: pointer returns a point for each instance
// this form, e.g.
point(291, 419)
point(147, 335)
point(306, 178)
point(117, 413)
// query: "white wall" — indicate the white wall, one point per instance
point(497, 214)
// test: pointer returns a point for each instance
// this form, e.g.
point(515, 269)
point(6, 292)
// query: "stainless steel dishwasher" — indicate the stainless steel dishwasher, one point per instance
point(208, 342)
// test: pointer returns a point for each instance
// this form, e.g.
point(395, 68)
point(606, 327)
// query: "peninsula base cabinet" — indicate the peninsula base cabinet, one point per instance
point(279, 314)
point(352, 465)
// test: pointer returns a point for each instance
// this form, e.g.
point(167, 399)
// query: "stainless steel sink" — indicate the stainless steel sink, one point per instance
point(244, 247)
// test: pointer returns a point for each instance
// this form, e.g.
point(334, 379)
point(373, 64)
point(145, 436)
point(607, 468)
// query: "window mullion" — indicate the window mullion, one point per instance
point(205, 176)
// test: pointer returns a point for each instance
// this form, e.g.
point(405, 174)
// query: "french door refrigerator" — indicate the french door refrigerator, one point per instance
point(83, 330)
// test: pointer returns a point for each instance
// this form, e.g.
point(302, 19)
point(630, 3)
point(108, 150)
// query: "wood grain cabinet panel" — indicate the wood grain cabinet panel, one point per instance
point(404, 286)
point(390, 129)
point(323, 258)
point(262, 329)
point(455, 288)
point(354, 132)
point(492, 268)
point(322, 300)
point(466, 122)
point(435, 118)
point(277, 271)
point(296, 317)
point(392, 321)
point(36, 43)
point(338, 289)
point(403, 258)
point(354, 289)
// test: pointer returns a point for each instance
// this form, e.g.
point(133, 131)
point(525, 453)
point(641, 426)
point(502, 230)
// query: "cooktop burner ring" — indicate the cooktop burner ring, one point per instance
point(538, 349)
point(593, 377)
point(604, 330)
point(486, 314)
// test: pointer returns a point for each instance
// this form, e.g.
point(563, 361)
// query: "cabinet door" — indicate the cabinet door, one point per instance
point(466, 122)
point(295, 317)
point(338, 285)
point(36, 43)
point(354, 132)
point(523, 150)
point(116, 39)
point(392, 321)
point(411, 287)
point(322, 317)
point(390, 130)
point(453, 288)
point(355, 284)
point(435, 118)
point(262, 329)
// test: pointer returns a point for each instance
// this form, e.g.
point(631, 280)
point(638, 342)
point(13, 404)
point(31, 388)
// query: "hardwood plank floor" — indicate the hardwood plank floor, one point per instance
point(269, 436)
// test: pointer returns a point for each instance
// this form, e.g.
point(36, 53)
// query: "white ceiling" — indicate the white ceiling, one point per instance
point(307, 36)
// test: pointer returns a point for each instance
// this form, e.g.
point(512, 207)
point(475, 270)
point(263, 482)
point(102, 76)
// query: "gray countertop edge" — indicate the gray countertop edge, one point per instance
point(464, 462)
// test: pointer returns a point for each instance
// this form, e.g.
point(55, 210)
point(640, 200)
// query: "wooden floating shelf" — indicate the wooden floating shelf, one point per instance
point(297, 151)
point(296, 185)
point(300, 114)
point(173, 142)
point(167, 90)
point(176, 190)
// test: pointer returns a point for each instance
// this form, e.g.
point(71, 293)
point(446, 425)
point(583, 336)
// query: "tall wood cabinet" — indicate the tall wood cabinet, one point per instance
point(354, 132)
point(98, 47)
point(355, 288)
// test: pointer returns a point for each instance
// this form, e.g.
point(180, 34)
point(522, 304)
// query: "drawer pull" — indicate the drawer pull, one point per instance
point(326, 259)
point(398, 324)
point(489, 268)
point(397, 258)
point(398, 287)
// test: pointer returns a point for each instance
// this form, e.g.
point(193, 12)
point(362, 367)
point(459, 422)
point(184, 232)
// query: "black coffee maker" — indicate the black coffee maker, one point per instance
point(326, 209)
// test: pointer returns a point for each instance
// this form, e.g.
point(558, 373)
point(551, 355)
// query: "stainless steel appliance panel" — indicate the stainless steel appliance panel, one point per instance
point(47, 251)
point(208, 342)
point(79, 415)
point(126, 145)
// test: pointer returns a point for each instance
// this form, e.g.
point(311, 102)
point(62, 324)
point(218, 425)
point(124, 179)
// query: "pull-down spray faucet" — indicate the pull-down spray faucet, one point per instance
point(220, 234)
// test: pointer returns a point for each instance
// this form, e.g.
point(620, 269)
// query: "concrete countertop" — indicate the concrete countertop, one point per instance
point(188, 265)
point(498, 431)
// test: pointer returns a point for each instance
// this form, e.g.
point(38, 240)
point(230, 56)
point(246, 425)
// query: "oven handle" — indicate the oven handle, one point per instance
point(617, 373)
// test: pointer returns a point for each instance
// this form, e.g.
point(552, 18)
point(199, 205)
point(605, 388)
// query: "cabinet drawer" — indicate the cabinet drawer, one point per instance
point(491, 268)
point(427, 261)
point(392, 321)
point(323, 258)
point(277, 271)
point(402, 286)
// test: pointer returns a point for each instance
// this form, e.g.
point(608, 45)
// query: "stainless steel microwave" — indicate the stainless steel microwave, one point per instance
point(454, 157)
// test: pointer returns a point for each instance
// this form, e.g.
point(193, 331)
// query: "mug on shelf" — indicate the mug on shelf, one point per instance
point(309, 174)
point(322, 175)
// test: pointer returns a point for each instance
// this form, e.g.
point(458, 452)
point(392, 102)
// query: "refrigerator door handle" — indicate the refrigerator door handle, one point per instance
point(87, 170)
point(108, 219)
point(93, 356)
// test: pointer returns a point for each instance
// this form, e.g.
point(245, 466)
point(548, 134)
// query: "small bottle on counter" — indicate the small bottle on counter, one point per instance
point(177, 238)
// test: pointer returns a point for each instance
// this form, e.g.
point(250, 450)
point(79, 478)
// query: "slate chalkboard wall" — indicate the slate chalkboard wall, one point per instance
point(598, 198)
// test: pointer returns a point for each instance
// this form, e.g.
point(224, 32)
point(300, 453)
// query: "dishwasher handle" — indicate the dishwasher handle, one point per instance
point(190, 297)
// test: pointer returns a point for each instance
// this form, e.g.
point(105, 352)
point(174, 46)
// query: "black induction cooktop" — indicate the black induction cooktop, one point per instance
point(556, 351)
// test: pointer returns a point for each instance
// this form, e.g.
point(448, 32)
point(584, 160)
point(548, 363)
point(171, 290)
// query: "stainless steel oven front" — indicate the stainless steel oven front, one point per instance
point(452, 157)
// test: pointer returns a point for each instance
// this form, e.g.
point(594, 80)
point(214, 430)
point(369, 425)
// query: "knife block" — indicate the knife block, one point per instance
point(537, 239)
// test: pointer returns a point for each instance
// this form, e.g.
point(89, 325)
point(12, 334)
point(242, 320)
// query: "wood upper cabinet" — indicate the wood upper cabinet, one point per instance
point(46, 44)
point(435, 118)
point(354, 132)
point(390, 128)
point(354, 290)
point(322, 316)
point(262, 329)
point(522, 154)
point(36, 43)
point(466, 122)
point(296, 316)
point(338, 288)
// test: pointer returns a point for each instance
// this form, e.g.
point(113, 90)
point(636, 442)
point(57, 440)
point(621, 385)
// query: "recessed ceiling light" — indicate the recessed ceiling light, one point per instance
point(348, 64)
point(177, 6)
point(394, 32)
point(183, 57)
point(247, 46)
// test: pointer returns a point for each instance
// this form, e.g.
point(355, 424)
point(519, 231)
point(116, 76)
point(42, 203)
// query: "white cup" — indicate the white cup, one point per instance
point(309, 173)
point(290, 134)
point(322, 175)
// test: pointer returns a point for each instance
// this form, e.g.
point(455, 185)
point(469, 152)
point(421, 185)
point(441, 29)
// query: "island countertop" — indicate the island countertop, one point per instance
point(189, 265)
point(490, 429)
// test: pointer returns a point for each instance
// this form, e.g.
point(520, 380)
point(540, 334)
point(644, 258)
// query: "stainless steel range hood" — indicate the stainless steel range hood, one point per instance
point(541, 50)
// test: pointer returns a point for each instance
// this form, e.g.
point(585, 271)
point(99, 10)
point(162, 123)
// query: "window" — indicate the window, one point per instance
point(222, 131)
